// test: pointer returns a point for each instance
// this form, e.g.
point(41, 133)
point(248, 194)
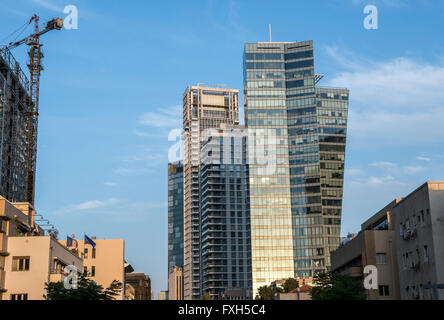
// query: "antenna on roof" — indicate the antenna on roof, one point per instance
point(269, 30)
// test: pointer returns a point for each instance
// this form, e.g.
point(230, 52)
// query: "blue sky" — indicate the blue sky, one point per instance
point(111, 91)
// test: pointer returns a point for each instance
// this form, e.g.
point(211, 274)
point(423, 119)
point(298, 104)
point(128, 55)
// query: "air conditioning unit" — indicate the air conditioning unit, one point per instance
point(415, 266)
point(406, 235)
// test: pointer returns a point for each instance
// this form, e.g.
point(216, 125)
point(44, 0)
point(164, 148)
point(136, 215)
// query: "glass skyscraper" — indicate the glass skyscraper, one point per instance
point(175, 215)
point(296, 193)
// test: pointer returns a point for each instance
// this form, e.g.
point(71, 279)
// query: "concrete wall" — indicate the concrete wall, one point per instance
point(109, 262)
point(361, 251)
point(417, 273)
point(436, 198)
point(175, 284)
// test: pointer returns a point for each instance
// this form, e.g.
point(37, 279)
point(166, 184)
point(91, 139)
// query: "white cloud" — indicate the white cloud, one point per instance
point(48, 5)
point(164, 118)
point(111, 184)
point(144, 134)
point(353, 172)
point(149, 157)
point(125, 171)
point(113, 208)
point(423, 158)
point(376, 180)
point(413, 169)
point(390, 3)
point(88, 205)
point(395, 102)
point(397, 170)
point(383, 164)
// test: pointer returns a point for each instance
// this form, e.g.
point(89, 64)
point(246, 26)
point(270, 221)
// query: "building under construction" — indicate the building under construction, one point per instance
point(14, 117)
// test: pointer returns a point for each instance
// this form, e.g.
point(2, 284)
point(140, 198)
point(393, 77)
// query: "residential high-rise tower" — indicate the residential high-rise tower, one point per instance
point(225, 213)
point(203, 108)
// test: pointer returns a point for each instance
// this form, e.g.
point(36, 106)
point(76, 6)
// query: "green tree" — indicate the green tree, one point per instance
point(268, 292)
point(335, 286)
point(290, 284)
point(206, 296)
point(87, 290)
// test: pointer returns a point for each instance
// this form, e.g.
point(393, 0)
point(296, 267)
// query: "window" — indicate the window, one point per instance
point(381, 258)
point(93, 271)
point(20, 263)
point(426, 254)
point(3, 227)
point(384, 291)
point(93, 253)
point(85, 253)
point(19, 296)
point(85, 270)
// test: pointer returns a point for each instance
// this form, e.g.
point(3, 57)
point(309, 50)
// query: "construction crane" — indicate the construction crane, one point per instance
point(35, 67)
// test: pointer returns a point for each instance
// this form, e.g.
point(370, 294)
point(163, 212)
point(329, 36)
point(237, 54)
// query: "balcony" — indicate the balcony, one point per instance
point(3, 244)
point(2, 280)
point(56, 277)
point(355, 272)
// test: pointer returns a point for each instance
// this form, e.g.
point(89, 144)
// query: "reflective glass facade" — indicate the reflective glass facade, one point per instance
point(175, 215)
point(296, 206)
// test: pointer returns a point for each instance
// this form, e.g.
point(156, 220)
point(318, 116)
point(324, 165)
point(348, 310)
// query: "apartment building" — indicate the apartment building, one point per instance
point(373, 245)
point(175, 283)
point(28, 258)
point(162, 295)
point(419, 226)
point(405, 241)
point(225, 212)
point(35, 261)
point(105, 262)
point(203, 108)
point(141, 284)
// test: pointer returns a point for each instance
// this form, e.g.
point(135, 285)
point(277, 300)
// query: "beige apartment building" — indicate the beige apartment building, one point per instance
point(130, 292)
point(28, 259)
point(373, 245)
point(301, 293)
point(419, 225)
point(141, 284)
point(105, 262)
point(405, 241)
point(162, 295)
point(175, 284)
point(34, 262)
